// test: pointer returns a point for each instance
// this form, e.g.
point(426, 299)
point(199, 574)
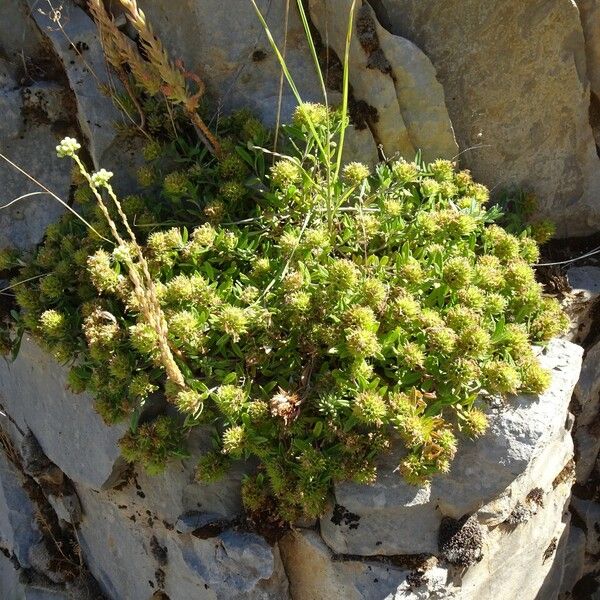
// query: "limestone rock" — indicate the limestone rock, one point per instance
point(133, 558)
point(589, 11)
point(589, 512)
point(28, 137)
point(587, 390)
point(526, 447)
point(574, 561)
point(233, 55)
point(392, 75)
point(516, 562)
point(315, 574)
point(580, 304)
point(175, 491)
point(75, 40)
point(14, 584)
point(20, 39)
point(587, 399)
point(19, 532)
point(514, 76)
point(587, 447)
point(67, 507)
point(70, 432)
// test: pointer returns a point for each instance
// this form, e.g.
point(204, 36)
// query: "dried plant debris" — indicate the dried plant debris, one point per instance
point(460, 542)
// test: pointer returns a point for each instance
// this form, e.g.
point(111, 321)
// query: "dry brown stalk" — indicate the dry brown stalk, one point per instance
point(119, 50)
point(157, 73)
point(143, 284)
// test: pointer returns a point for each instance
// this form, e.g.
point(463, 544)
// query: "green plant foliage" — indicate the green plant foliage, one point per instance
point(317, 319)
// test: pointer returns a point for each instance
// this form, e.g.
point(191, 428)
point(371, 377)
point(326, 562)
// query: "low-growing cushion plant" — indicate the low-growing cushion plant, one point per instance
point(317, 317)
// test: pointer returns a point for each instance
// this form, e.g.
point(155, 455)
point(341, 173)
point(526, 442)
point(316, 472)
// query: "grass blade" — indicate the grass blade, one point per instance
point(345, 86)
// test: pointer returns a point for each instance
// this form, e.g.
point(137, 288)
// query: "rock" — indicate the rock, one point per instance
point(28, 137)
point(193, 521)
point(589, 11)
point(175, 491)
point(514, 76)
point(589, 512)
point(75, 40)
point(315, 574)
point(526, 447)
point(395, 77)
point(132, 558)
point(517, 561)
point(587, 447)
point(15, 584)
point(574, 559)
point(233, 56)
point(585, 281)
point(19, 532)
point(587, 390)
point(33, 391)
point(20, 39)
point(581, 303)
point(67, 507)
point(360, 145)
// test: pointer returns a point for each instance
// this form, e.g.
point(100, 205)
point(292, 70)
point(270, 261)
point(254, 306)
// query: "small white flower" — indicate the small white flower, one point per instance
point(101, 177)
point(67, 147)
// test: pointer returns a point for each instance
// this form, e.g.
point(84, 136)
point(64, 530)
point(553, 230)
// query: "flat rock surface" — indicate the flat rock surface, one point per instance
point(526, 446)
point(517, 90)
point(71, 433)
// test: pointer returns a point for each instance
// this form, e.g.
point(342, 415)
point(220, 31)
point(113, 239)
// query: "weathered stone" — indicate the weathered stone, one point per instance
point(587, 390)
point(587, 447)
point(132, 557)
point(29, 142)
point(589, 11)
point(589, 512)
point(526, 447)
point(516, 561)
point(75, 40)
point(574, 559)
point(67, 507)
point(70, 432)
point(580, 304)
point(16, 585)
point(175, 491)
point(20, 39)
point(233, 55)
point(585, 281)
point(514, 76)
point(19, 532)
point(315, 574)
point(403, 89)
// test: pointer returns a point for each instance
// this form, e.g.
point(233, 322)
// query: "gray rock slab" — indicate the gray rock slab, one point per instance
point(233, 55)
point(580, 304)
point(500, 63)
point(574, 559)
point(315, 574)
point(30, 143)
point(589, 512)
point(19, 532)
point(130, 557)
point(587, 390)
point(525, 447)
point(589, 11)
point(74, 38)
point(72, 435)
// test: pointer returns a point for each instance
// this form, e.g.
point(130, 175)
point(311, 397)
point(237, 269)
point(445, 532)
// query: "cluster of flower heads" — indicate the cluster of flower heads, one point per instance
point(316, 319)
